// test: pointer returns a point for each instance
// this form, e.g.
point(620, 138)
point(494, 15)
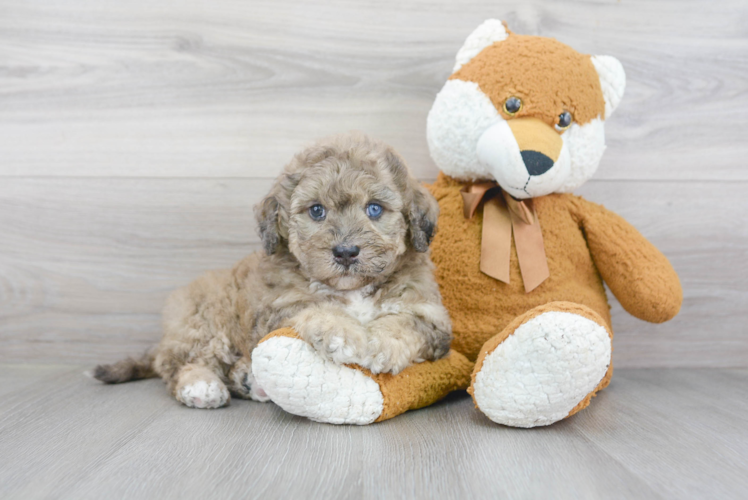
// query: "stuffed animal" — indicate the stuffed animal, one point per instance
point(520, 262)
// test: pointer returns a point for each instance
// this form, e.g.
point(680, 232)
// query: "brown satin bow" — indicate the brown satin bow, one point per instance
point(502, 214)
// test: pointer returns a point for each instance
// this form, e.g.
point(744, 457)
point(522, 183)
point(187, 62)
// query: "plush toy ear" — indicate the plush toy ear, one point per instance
point(612, 81)
point(488, 33)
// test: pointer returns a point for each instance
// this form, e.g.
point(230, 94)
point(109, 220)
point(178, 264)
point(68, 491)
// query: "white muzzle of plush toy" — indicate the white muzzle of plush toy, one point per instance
point(526, 157)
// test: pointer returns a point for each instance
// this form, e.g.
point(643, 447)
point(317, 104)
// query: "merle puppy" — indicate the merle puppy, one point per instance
point(346, 231)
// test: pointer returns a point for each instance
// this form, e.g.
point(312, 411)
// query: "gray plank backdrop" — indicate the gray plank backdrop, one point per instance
point(136, 136)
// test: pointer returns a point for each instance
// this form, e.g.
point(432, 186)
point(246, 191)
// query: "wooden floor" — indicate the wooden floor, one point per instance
point(654, 433)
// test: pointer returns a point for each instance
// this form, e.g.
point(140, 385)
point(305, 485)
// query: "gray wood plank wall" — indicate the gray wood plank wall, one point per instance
point(135, 137)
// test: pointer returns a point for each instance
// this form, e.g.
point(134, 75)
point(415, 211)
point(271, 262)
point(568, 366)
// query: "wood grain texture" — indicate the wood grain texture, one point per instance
point(135, 137)
point(665, 417)
point(144, 88)
point(87, 263)
point(17, 377)
point(652, 434)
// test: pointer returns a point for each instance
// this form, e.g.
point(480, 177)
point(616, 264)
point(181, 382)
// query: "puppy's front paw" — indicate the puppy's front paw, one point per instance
point(334, 336)
point(372, 353)
point(387, 357)
point(344, 349)
point(338, 345)
point(203, 394)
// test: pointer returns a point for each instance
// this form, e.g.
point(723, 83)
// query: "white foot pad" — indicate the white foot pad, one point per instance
point(302, 382)
point(203, 394)
point(542, 371)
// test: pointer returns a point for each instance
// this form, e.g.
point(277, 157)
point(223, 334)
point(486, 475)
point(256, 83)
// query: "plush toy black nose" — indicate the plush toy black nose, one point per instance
point(536, 163)
point(345, 254)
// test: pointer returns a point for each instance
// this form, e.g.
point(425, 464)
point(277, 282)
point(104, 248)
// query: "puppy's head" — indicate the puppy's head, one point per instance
point(348, 210)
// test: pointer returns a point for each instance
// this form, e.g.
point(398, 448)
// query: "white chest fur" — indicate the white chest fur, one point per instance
point(362, 307)
point(360, 304)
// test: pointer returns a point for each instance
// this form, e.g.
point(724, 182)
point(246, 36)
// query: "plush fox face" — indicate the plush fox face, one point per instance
point(525, 111)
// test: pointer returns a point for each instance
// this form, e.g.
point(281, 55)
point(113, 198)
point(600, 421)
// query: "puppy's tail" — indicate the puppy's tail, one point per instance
point(125, 370)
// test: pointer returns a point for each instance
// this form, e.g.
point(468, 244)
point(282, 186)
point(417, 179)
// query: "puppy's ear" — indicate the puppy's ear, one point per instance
point(420, 208)
point(267, 217)
point(272, 215)
point(422, 216)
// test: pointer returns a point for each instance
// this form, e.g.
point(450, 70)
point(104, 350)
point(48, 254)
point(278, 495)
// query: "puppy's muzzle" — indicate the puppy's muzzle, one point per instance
point(345, 255)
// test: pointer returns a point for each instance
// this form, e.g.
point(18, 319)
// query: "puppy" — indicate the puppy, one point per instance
point(345, 231)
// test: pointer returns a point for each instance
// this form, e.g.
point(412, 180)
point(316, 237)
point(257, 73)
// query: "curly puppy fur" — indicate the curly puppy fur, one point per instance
point(380, 309)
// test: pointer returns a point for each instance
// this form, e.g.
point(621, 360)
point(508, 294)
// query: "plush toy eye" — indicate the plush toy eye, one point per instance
point(512, 106)
point(317, 212)
point(564, 120)
point(373, 210)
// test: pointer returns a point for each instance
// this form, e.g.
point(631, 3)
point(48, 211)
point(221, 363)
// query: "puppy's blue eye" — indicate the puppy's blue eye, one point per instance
point(317, 212)
point(373, 210)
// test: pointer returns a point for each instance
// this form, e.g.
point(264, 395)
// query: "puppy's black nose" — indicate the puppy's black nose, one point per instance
point(345, 254)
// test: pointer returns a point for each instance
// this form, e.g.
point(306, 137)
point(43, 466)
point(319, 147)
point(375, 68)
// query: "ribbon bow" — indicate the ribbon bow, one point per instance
point(502, 214)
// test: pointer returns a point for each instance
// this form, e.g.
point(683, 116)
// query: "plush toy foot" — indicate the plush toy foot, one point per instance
point(302, 382)
point(545, 366)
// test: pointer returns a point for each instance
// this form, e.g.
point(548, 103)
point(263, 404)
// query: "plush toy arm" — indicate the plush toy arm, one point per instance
point(638, 274)
point(303, 382)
